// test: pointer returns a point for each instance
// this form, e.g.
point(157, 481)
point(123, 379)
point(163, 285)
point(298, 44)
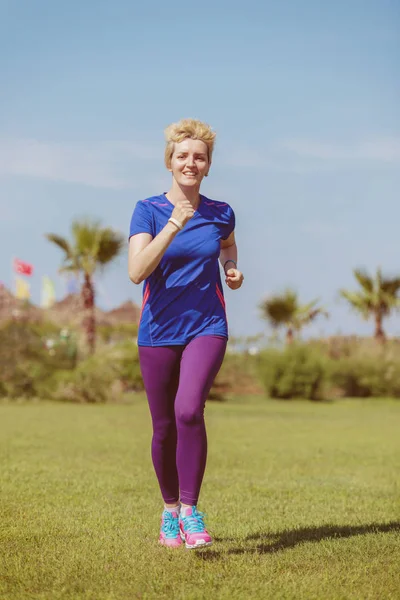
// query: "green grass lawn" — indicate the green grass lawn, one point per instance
point(303, 501)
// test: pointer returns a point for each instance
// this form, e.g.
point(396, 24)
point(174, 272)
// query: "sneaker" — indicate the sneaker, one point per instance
point(193, 531)
point(169, 533)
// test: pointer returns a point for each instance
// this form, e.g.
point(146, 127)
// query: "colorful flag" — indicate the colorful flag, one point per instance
point(48, 293)
point(22, 289)
point(23, 268)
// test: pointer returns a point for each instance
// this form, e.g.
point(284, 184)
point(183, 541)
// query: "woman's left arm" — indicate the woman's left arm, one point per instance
point(228, 258)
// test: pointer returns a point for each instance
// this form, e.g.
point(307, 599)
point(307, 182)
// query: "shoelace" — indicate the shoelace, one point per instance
point(194, 523)
point(170, 525)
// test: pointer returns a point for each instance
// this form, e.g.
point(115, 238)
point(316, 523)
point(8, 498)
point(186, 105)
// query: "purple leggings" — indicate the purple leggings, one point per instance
point(177, 380)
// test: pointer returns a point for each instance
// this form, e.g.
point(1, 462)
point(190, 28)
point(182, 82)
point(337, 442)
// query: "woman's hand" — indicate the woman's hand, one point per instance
point(233, 279)
point(183, 211)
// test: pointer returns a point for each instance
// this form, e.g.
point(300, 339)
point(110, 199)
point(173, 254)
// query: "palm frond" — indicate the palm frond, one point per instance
point(391, 286)
point(86, 234)
point(95, 245)
point(321, 311)
point(378, 295)
point(60, 242)
point(279, 309)
point(366, 282)
point(306, 308)
point(110, 245)
point(68, 268)
point(307, 313)
point(276, 311)
point(285, 310)
point(358, 302)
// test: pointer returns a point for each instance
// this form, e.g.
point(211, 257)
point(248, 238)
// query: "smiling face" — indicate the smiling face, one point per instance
point(189, 162)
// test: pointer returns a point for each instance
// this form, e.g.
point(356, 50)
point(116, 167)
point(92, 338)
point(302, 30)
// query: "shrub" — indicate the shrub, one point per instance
point(100, 378)
point(119, 332)
point(238, 375)
point(312, 371)
point(90, 382)
point(128, 366)
point(39, 360)
point(26, 358)
point(298, 371)
point(367, 375)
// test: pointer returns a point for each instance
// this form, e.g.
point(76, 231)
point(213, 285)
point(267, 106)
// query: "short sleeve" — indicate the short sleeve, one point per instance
point(230, 225)
point(142, 220)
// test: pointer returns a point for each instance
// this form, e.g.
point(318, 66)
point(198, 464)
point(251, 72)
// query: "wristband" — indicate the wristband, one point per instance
point(176, 222)
point(230, 260)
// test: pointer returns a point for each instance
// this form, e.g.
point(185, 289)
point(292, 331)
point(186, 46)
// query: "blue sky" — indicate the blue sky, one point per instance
point(305, 100)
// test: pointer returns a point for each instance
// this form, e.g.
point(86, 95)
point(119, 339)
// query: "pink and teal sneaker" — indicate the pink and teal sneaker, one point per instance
point(193, 531)
point(169, 533)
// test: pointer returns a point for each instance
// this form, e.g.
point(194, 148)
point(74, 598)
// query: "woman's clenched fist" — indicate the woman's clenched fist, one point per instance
point(234, 279)
point(183, 211)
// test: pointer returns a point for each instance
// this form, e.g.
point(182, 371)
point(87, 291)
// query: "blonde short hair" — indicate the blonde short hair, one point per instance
point(184, 129)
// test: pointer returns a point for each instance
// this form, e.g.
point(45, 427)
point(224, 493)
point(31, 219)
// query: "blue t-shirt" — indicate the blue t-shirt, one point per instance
point(183, 297)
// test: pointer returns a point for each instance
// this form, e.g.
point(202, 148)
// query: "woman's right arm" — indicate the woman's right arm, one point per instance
point(145, 252)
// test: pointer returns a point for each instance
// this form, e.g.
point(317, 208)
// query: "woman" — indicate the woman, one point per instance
point(176, 239)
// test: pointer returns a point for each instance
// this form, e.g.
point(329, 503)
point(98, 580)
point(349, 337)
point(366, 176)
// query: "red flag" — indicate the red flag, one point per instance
point(23, 268)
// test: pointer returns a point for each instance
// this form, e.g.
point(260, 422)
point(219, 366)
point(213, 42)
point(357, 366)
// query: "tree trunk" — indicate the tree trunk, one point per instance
point(289, 336)
point(89, 320)
point(379, 333)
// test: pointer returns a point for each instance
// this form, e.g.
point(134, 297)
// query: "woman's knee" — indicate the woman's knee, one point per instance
point(188, 415)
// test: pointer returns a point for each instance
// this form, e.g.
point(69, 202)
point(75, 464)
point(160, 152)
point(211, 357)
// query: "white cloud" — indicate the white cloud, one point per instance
point(121, 164)
point(308, 156)
point(379, 150)
point(110, 164)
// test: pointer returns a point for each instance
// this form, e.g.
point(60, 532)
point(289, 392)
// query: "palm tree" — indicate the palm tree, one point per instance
point(376, 298)
point(92, 247)
point(284, 310)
